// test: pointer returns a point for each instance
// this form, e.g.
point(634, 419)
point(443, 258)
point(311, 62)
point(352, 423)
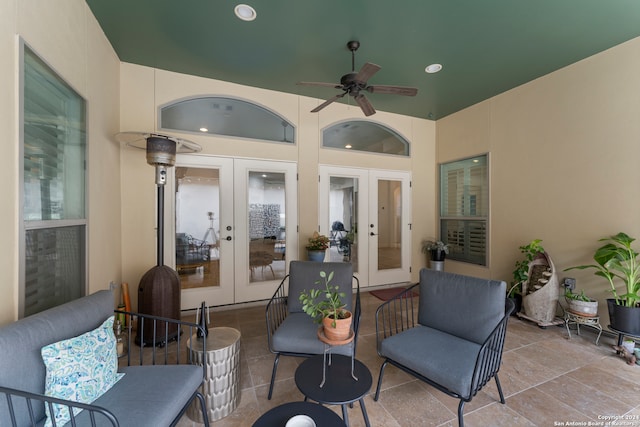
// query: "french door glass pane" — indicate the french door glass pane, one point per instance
point(343, 205)
point(389, 224)
point(266, 226)
point(54, 267)
point(197, 227)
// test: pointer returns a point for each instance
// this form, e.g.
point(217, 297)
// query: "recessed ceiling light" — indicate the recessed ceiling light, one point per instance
point(433, 68)
point(204, 130)
point(245, 12)
point(348, 146)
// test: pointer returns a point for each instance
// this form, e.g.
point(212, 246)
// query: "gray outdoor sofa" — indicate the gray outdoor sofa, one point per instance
point(154, 394)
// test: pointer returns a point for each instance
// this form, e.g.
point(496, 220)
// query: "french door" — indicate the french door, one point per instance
point(365, 213)
point(231, 222)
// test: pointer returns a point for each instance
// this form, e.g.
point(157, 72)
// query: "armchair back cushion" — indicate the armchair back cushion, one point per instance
point(303, 275)
point(22, 367)
point(467, 307)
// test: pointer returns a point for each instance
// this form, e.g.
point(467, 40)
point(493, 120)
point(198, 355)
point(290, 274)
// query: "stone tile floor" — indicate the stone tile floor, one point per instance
point(547, 379)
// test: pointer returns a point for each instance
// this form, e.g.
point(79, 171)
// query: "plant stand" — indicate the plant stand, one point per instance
point(576, 319)
point(541, 323)
point(328, 344)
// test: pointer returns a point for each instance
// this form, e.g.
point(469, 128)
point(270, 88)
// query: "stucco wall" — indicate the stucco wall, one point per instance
point(564, 153)
point(76, 48)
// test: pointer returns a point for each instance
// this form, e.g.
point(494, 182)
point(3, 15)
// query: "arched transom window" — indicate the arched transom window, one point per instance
point(361, 135)
point(227, 116)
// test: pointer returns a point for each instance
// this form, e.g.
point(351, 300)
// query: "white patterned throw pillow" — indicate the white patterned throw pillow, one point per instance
point(80, 369)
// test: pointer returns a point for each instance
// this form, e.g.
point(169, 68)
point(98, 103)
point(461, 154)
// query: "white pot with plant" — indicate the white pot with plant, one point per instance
point(437, 252)
point(580, 304)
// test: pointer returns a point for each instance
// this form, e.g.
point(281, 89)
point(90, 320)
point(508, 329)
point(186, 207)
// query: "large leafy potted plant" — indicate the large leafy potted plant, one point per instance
point(317, 246)
point(617, 262)
point(326, 306)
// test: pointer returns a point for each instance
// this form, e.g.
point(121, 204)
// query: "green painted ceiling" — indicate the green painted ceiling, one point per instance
point(485, 46)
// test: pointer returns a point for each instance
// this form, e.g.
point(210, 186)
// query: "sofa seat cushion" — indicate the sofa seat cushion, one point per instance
point(148, 395)
point(298, 333)
point(442, 358)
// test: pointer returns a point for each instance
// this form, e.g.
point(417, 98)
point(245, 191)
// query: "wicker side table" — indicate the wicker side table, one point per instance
point(221, 388)
point(576, 319)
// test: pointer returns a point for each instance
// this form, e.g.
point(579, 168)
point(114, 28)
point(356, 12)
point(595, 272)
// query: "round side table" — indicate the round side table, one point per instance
point(221, 388)
point(278, 416)
point(339, 388)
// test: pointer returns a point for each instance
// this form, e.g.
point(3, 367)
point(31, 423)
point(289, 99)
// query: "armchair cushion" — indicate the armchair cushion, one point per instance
point(298, 334)
point(452, 303)
point(443, 358)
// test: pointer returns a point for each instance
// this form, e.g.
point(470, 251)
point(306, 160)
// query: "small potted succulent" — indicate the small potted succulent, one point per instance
point(326, 306)
point(317, 246)
point(581, 304)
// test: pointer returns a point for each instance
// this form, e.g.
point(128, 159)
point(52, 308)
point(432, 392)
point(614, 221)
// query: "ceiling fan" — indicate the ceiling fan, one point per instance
point(354, 83)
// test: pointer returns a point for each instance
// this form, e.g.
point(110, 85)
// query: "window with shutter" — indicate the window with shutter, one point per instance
point(53, 236)
point(464, 208)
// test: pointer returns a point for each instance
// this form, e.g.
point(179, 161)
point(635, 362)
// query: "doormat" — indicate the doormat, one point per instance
point(387, 294)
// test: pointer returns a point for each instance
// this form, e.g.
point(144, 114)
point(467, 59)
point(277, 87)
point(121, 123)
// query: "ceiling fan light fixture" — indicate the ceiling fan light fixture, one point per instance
point(433, 68)
point(245, 12)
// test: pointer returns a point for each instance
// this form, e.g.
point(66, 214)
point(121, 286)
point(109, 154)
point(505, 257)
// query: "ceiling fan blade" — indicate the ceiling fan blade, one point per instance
point(366, 72)
point(333, 85)
point(327, 102)
point(365, 105)
point(393, 90)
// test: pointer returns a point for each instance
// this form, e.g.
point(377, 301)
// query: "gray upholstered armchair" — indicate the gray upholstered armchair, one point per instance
point(290, 331)
point(451, 335)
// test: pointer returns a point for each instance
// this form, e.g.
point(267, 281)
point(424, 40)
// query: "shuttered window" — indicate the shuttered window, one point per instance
point(53, 198)
point(464, 208)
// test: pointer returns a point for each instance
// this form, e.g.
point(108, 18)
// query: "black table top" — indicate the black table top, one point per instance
point(339, 387)
point(278, 416)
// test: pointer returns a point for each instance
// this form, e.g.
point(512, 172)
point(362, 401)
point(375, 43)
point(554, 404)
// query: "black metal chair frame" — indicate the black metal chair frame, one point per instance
point(400, 314)
point(277, 311)
point(161, 335)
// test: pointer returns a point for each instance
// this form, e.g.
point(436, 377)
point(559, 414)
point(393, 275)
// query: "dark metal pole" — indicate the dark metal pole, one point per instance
point(160, 242)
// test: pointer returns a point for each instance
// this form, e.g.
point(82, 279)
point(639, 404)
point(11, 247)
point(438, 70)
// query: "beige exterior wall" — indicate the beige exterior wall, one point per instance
point(144, 90)
point(564, 153)
point(77, 49)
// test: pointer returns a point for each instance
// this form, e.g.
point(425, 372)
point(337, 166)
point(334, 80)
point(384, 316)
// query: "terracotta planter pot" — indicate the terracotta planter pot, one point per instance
point(341, 331)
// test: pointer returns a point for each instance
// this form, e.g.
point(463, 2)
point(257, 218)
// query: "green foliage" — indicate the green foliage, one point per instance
point(521, 273)
point(578, 297)
point(618, 260)
point(434, 245)
point(327, 302)
point(318, 242)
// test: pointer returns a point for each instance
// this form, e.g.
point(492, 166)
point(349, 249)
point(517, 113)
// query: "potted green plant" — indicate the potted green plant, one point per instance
point(617, 261)
point(326, 307)
point(317, 246)
point(581, 304)
point(437, 251)
point(521, 272)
